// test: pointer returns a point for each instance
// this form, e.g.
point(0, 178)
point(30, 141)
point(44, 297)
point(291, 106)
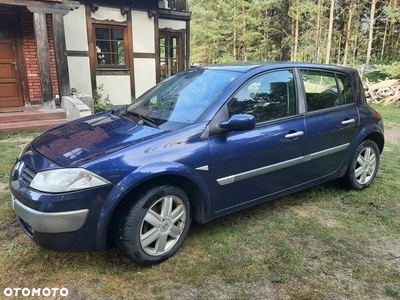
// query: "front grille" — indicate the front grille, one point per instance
point(27, 175)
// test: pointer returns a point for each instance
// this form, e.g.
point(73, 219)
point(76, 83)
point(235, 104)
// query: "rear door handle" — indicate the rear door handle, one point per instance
point(346, 122)
point(295, 134)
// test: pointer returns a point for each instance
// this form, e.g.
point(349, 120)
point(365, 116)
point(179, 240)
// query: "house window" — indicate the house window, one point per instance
point(110, 46)
point(171, 61)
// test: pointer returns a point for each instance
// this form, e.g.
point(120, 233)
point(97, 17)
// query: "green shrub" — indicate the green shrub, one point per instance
point(100, 104)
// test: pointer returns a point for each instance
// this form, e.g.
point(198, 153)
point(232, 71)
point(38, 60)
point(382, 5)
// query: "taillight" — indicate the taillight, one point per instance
point(378, 115)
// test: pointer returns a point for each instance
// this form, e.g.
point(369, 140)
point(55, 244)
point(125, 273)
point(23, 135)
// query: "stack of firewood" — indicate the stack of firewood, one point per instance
point(384, 92)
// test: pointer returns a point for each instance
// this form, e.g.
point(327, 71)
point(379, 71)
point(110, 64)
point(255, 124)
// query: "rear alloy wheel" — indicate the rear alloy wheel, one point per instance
point(364, 166)
point(155, 226)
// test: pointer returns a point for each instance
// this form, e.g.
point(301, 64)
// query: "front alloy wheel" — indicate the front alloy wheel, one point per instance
point(155, 225)
point(364, 166)
point(163, 225)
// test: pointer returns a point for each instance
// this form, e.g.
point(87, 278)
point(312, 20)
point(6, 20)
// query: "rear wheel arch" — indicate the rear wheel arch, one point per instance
point(377, 138)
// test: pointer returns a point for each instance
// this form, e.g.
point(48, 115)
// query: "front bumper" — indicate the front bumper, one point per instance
point(71, 221)
point(45, 222)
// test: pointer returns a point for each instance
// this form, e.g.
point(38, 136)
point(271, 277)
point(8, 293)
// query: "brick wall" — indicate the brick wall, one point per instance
point(29, 46)
point(32, 67)
point(52, 54)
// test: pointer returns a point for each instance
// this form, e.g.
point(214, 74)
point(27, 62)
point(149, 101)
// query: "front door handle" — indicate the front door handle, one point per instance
point(346, 122)
point(294, 134)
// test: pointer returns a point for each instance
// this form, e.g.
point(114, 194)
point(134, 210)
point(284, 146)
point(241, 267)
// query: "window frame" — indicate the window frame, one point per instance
point(180, 51)
point(112, 67)
point(335, 75)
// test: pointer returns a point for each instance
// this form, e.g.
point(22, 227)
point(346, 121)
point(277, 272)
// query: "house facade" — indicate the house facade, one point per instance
point(48, 47)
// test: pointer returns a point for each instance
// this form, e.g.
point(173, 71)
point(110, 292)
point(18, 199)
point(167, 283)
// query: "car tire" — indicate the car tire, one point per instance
point(364, 166)
point(154, 226)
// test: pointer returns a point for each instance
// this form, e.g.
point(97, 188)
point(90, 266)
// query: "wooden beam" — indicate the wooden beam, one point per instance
point(60, 49)
point(92, 48)
point(21, 56)
point(187, 50)
point(129, 61)
point(65, 5)
point(157, 47)
point(47, 10)
point(42, 45)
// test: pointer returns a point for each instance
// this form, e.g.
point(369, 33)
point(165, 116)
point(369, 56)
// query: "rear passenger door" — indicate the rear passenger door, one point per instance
point(331, 121)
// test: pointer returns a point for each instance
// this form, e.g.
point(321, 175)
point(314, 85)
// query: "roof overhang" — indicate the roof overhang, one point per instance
point(51, 7)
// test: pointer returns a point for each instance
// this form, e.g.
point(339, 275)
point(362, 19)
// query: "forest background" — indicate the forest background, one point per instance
point(339, 32)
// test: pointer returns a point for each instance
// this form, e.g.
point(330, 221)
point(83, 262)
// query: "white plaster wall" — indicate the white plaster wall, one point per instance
point(107, 13)
point(76, 30)
point(145, 74)
point(118, 87)
point(173, 24)
point(79, 74)
point(143, 32)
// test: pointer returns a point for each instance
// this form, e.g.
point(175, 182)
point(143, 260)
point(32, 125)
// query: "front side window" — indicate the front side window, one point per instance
point(267, 97)
point(110, 46)
point(326, 90)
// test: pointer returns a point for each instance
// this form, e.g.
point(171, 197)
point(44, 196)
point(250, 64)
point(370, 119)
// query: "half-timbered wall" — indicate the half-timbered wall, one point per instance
point(76, 37)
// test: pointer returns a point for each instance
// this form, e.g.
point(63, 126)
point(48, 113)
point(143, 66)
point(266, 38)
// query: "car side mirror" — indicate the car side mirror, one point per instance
point(239, 123)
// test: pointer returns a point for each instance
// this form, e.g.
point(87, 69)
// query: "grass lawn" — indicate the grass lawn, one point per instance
point(322, 243)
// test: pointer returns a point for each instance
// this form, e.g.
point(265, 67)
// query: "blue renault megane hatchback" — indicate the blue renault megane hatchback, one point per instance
point(205, 143)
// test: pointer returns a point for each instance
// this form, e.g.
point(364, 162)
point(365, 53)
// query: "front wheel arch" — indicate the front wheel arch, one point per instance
point(199, 210)
point(154, 224)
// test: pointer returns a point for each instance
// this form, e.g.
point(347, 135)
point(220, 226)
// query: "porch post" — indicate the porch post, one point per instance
point(42, 45)
point(60, 49)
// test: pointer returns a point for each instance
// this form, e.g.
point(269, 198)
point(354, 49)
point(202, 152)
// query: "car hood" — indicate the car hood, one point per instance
point(89, 138)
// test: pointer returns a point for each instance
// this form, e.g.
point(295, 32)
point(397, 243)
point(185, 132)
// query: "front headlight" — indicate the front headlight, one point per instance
point(66, 180)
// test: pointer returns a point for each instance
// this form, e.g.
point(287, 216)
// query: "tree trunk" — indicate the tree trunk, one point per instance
point(346, 46)
point(329, 43)
point(355, 45)
point(234, 35)
point(339, 50)
point(244, 34)
point(392, 29)
point(296, 32)
point(385, 34)
point(319, 32)
point(371, 32)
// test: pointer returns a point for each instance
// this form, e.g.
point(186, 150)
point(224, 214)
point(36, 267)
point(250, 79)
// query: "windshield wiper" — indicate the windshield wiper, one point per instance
point(144, 120)
point(120, 110)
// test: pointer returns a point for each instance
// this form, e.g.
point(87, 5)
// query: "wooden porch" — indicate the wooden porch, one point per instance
point(30, 118)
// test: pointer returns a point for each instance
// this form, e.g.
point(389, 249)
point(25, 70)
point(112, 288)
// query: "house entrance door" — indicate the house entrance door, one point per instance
point(10, 78)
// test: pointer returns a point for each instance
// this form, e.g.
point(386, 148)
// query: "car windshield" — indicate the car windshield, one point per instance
point(180, 100)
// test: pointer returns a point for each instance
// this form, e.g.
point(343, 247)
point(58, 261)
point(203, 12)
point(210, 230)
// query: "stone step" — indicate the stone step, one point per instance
point(32, 115)
point(31, 126)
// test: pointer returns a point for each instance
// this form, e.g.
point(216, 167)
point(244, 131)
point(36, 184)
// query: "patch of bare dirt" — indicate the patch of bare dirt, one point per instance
point(217, 290)
point(305, 212)
point(392, 132)
point(20, 139)
point(390, 248)
point(3, 187)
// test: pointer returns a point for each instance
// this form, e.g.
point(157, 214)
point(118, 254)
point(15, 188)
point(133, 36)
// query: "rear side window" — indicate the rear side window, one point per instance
point(326, 89)
point(267, 97)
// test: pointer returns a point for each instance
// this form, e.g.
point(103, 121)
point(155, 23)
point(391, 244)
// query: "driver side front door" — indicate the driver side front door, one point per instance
point(249, 165)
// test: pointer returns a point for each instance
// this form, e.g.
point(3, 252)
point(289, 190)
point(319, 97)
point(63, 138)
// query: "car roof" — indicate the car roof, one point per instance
point(245, 67)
